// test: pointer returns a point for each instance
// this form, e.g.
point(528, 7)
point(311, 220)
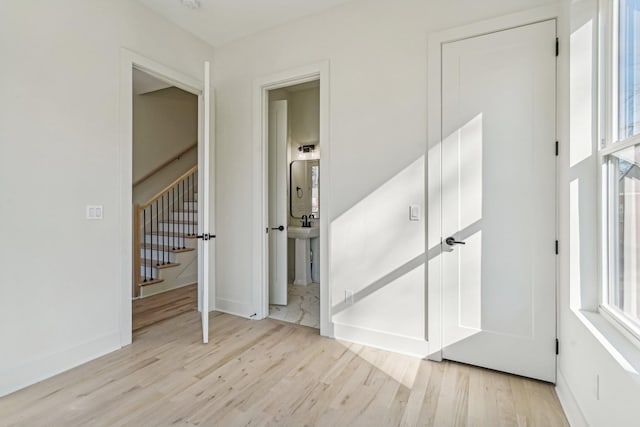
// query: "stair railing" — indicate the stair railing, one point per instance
point(165, 210)
point(165, 164)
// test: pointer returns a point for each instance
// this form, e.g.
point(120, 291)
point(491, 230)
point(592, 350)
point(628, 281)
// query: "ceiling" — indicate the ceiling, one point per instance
point(145, 83)
point(221, 21)
point(303, 86)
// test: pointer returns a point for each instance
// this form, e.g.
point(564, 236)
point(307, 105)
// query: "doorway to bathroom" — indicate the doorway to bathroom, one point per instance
point(294, 203)
point(318, 73)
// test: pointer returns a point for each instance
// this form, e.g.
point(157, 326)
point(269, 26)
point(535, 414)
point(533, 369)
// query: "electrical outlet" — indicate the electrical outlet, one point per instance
point(348, 297)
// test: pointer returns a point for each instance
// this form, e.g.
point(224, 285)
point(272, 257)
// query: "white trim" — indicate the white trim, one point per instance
point(434, 214)
point(415, 347)
point(569, 403)
point(128, 61)
point(318, 71)
point(203, 198)
point(622, 323)
point(607, 68)
point(620, 145)
point(47, 366)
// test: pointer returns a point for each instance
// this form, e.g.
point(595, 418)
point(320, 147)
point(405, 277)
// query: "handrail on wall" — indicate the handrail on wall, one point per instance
point(165, 164)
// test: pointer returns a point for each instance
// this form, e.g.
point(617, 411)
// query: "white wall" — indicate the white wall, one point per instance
point(165, 123)
point(378, 83)
point(591, 350)
point(304, 128)
point(60, 276)
point(304, 111)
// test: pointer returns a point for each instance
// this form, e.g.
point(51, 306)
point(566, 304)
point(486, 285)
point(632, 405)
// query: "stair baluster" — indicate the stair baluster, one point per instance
point(151, 226)
point(144, 231)
point(193, 198)
point(173, 209)
point(171, 219)
point(188, 225)
point(184, 225)
point(164, 222)
point(160, 235)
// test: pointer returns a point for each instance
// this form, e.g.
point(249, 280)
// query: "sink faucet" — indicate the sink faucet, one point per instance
point(305, 221)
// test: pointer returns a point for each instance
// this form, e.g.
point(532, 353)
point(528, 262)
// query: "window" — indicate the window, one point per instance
point(624, 204)
point(628, 68)
point(621, 157)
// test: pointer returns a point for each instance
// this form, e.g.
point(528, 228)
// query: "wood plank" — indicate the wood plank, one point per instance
point(267, 373)
point(159, 307)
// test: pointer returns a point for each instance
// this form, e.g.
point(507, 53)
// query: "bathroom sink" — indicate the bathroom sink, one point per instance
point(303, 236)
point(296, 232)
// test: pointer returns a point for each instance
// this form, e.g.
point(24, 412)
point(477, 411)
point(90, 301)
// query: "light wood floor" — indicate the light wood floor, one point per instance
point(156, 308)
point(267, 373)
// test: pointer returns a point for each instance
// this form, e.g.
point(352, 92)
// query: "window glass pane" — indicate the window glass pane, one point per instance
point(629, 69)
point(625, 201)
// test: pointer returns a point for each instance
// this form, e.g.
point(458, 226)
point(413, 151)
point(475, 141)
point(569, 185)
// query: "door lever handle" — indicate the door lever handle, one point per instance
point(206, 236)
point(452, 241)
point(281, 228)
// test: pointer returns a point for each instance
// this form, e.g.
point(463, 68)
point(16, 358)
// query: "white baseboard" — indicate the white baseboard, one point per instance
point(235, 308)
point(382, 340)
point(17, 377)
point(569, 403)
point(163, 290)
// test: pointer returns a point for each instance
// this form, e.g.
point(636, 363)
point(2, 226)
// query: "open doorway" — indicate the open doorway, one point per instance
point(294, 203)
point(165, 200)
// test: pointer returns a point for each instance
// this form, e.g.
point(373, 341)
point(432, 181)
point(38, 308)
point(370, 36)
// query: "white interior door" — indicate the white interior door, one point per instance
point(278, 129)
point(498, 198)
point(204, 207)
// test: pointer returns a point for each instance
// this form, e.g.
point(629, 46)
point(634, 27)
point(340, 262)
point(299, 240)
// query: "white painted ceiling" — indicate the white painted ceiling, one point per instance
point(221, 21)
point(145, 83)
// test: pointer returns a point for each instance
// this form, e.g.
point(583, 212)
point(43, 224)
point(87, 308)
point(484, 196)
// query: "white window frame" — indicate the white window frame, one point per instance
point(610, 144)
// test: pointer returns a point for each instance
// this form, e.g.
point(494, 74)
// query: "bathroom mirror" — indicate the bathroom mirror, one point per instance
point(304, 188)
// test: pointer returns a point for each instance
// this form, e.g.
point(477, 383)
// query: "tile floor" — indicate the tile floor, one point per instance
point(303, 306)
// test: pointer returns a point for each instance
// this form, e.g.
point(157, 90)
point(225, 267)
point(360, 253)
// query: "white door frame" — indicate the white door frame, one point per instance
point(128, 61)
point(261, 88)
point(434, 153)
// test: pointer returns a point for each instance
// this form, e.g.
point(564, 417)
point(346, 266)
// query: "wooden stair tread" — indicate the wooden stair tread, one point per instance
point(153, 263)
point(165, 248)
point(141, 282)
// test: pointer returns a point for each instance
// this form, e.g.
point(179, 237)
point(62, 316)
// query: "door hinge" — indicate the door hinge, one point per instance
point(557, 247)
point(557, 46)
point(557, 148)
point(557, 346)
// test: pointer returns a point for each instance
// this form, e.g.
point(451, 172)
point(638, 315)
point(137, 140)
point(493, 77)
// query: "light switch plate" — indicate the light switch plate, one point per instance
point(348, 296)
point(414, 213)
point(94, 212)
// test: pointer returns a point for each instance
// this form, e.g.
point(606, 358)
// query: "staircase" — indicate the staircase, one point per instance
point(165, 229)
